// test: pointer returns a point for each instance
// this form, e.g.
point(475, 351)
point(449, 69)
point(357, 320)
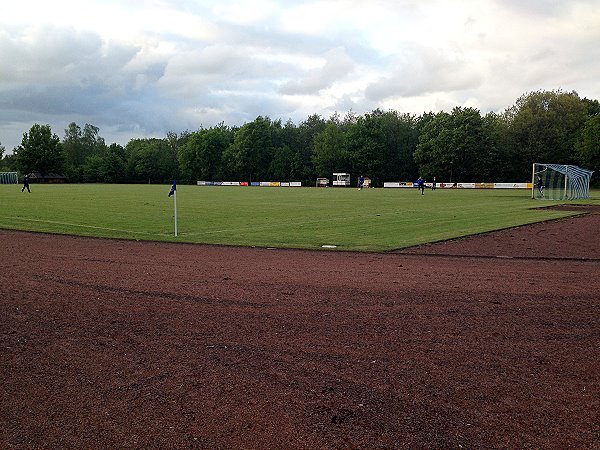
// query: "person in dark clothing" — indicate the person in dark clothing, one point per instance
point(421, 185)
point(540, 186)
point(433, 184)
point(26, 183)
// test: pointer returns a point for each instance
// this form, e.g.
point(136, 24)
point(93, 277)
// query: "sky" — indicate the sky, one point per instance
point(144, 68)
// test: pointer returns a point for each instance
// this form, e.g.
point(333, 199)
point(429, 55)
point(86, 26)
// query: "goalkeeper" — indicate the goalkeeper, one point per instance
point(540, 186)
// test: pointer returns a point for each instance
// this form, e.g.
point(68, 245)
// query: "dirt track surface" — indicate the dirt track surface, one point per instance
point(115, 344)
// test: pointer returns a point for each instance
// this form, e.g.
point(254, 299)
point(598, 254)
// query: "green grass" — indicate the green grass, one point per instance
point(368, 220)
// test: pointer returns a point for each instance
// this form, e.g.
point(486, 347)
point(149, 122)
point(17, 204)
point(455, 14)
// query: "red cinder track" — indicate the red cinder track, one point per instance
point(486, 342)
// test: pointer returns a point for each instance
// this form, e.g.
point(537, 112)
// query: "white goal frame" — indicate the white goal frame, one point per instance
point(560, 182)
point(9, 178)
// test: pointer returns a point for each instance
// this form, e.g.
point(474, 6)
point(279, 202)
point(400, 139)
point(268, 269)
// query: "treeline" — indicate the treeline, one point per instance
point(462, 145)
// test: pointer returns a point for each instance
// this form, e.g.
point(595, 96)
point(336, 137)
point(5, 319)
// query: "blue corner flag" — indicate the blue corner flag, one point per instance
point(173, 192)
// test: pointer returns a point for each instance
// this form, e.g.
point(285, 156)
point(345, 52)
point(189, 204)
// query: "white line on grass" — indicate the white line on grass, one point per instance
point(94, 227)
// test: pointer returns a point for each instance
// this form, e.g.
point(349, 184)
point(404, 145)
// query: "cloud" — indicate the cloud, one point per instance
point(423, 71)
point(336, 67)
point(544, 8)
point(145, 68)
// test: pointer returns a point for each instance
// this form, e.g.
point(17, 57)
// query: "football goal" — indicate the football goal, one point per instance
point(9, 178)
point(560, 182)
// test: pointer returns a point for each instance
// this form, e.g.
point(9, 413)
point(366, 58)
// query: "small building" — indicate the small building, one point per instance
point(36, 177)
point(341, 179)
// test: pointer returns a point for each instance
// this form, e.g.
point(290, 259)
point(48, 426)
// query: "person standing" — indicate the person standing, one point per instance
point(421, 185)
point(433, 184)
point(26, 183)
point(540, 186)
point(361, 182)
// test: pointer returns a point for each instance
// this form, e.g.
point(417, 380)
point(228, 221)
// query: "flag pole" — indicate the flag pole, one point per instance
point(175, 204)
point(173, 192)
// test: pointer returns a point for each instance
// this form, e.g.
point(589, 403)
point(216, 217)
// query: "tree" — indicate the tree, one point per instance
point(330, 154)
point(289, 137)
point(593, 106)
point(4, 160)
point(399, 136)
point(92, 142)
point(307, 132)
point(40, 151)
point(150, 160)
point(78, 145)
point(7, 162)
point(365, 145)
point(114, 164)
point(587, 147)
point(543, 127)
point(250, 154)
point(92, 169)
point(495, 156)
point(284, 164)
point(200, 158)
point(433, 154)
point(451, 144)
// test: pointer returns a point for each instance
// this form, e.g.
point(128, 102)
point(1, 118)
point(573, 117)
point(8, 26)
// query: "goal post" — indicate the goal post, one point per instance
point(9, 178)
point(560, 182)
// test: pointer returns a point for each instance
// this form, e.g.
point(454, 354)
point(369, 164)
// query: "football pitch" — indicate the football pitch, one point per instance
point(280, 217)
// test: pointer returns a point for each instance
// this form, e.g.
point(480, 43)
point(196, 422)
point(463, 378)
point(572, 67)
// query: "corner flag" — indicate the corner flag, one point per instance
point(173, 192)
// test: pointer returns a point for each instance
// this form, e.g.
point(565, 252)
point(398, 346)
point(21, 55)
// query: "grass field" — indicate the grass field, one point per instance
point(367, 220)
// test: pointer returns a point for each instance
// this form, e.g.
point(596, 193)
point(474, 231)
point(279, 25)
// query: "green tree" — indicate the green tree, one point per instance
point(8, 163)
point(200, 157)
point(284, 164)
point(399, 136)
point(114, 165)
point(92, 169)
point(543, 127)
point(288, 152)
point(78, 145)
point(40, 151)
point(434, 154)
point(250, 154)
point(330, 154)
point(451, 144)
point(366, 147)
point(304, 146)
point(150, 160)
point(587, 147)
point(592, 106)
point(493, 162)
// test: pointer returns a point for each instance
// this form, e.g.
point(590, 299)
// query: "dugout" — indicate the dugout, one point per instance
point(37, 177)
point(341, 179)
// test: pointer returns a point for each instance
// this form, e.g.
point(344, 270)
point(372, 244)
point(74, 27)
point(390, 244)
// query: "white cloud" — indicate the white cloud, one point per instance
point(152, 66)
point(336, 67)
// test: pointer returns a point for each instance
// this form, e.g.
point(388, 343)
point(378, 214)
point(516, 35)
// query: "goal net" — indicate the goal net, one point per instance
point(9, 178)
point(560, 182)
